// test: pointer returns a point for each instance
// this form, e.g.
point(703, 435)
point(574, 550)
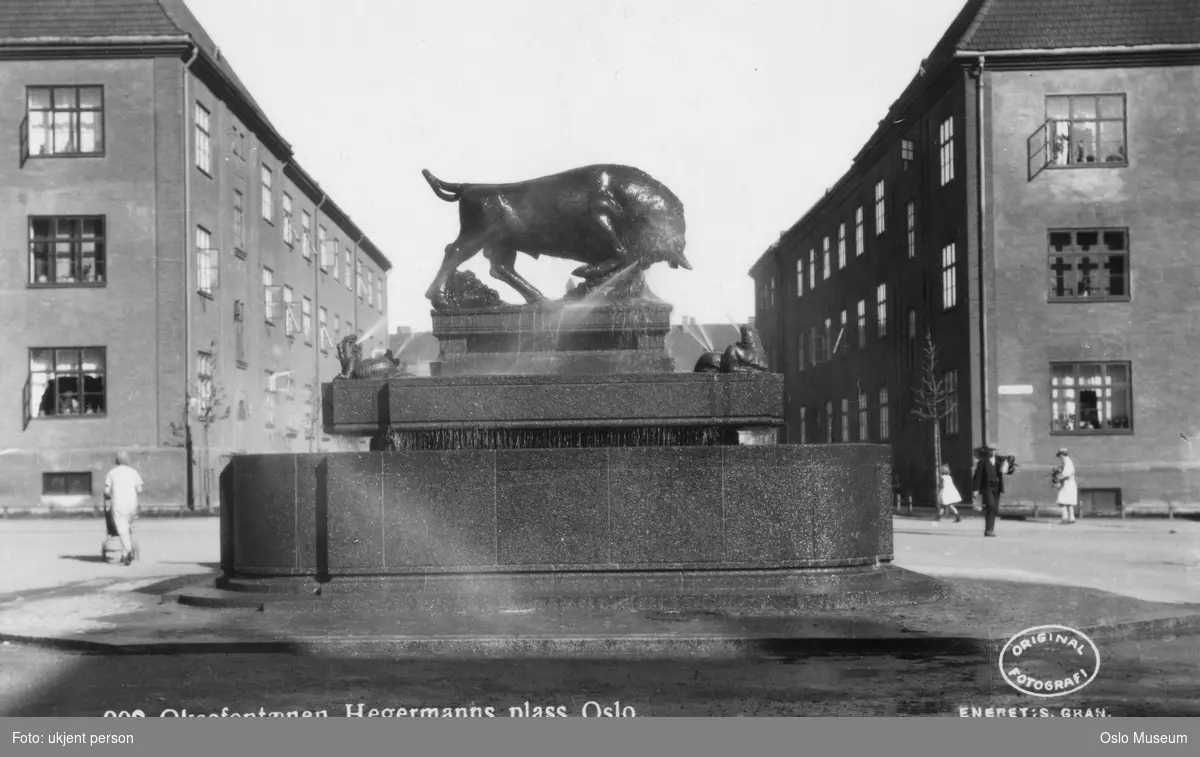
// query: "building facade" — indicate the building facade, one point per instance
point(175, 282)
point(1027, 203)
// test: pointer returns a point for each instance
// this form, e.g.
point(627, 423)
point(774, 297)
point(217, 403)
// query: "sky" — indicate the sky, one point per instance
point(748, 110)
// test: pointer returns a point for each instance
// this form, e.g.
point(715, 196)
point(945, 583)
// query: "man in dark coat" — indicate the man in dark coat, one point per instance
point(988, 484)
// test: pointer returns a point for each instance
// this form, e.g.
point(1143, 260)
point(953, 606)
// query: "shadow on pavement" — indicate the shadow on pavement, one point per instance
point(82, 558)
point(853, 672)
point(159, 588)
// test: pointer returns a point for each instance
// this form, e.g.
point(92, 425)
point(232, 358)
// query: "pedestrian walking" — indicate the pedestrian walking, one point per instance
point(948, 495)
point(1068, 489)
point(121, 489)
point(988, 485)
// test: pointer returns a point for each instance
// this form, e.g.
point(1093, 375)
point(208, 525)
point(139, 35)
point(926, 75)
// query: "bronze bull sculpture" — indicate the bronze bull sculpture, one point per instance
point(610, 218)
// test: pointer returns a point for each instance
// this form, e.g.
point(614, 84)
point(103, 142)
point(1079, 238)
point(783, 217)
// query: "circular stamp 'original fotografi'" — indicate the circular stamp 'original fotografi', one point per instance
point(1049, 661)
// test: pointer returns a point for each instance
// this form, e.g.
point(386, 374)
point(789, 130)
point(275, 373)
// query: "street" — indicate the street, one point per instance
point(57, 562)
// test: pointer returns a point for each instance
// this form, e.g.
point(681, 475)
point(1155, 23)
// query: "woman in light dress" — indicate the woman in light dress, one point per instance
point(1068, 489)
point(948, 495)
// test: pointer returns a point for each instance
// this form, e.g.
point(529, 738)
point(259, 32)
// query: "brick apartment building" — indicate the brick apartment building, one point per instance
point(1030, 200)
point(174, 281)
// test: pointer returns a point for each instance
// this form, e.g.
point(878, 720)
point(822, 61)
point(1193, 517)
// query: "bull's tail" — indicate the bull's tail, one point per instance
point(447, 192)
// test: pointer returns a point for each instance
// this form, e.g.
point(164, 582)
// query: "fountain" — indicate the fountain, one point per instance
point(555, 456)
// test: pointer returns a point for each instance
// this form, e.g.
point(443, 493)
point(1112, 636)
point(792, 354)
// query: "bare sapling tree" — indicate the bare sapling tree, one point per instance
point(932, 401)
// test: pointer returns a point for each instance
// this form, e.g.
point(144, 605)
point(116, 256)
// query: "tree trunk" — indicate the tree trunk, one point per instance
point(937, 460)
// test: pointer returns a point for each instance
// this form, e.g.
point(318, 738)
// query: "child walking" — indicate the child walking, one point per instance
point(948, 495)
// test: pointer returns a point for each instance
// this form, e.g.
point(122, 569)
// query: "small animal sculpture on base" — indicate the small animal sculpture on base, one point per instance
point(745, 356)
point(355, 367)
point(464, 290)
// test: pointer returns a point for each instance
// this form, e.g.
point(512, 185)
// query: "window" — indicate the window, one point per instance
point(289, 233)
point(370, 281)
point(61, 484)
point(65, 121)
point(269, 393)
point(799, 277)
point(845, 437)
point(321, 252)
point(237, 143)
point(860, 243)
point(67, 250)
point(1086, 130)
point(837, 344)
point(239, 223)
point(949, 278)
point(841, 245)
point(803, 425)
point(950, 419)
point(827, 344)
point(863, 417)
point(912, 324)
point(333, 261)
point(881, 309)
point(306, 235)
point(862, 324)
point(270, 300)
point(946, 150)
point(884, 420)
point(207, 263)
point(306, 319)
point(1089, 264)
point(205, 396)
point(880, 215)
point(67, 382)
point(349, 279)
point(825, 259)
point(812, 269)
point(361, 278)
point(203, 140)
point(815, 351)
point(239, 333)
point(800, 353)
point(379, 293)
point(289, 317)
point(906, 152)
point(911, 212)
point(323, 332)
point(268, 196)
point(829, 421)
point(1090, 398)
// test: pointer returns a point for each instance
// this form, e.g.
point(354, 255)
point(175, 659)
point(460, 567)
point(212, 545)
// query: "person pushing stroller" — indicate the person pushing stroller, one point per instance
point(121, 489)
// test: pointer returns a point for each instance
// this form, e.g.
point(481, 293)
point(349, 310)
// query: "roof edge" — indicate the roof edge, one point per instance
point(1066, 51)
point(307, 184)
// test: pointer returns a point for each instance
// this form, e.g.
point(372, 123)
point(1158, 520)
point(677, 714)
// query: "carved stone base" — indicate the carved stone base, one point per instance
point(564, 338)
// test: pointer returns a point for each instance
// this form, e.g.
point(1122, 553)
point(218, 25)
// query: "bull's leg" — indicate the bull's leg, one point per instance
point(457, 252)
point(503, 269)
point(603, 214)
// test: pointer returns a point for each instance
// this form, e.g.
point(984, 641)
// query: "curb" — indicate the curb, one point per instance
point(781, 649)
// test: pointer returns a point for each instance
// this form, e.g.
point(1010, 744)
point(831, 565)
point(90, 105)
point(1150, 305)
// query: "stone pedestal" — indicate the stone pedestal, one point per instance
point(559, 339)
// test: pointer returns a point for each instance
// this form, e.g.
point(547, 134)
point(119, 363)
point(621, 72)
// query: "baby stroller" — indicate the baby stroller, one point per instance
point(110, 548)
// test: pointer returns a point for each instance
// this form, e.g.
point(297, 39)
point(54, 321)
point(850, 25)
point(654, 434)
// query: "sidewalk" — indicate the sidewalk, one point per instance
point(1118, 580)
